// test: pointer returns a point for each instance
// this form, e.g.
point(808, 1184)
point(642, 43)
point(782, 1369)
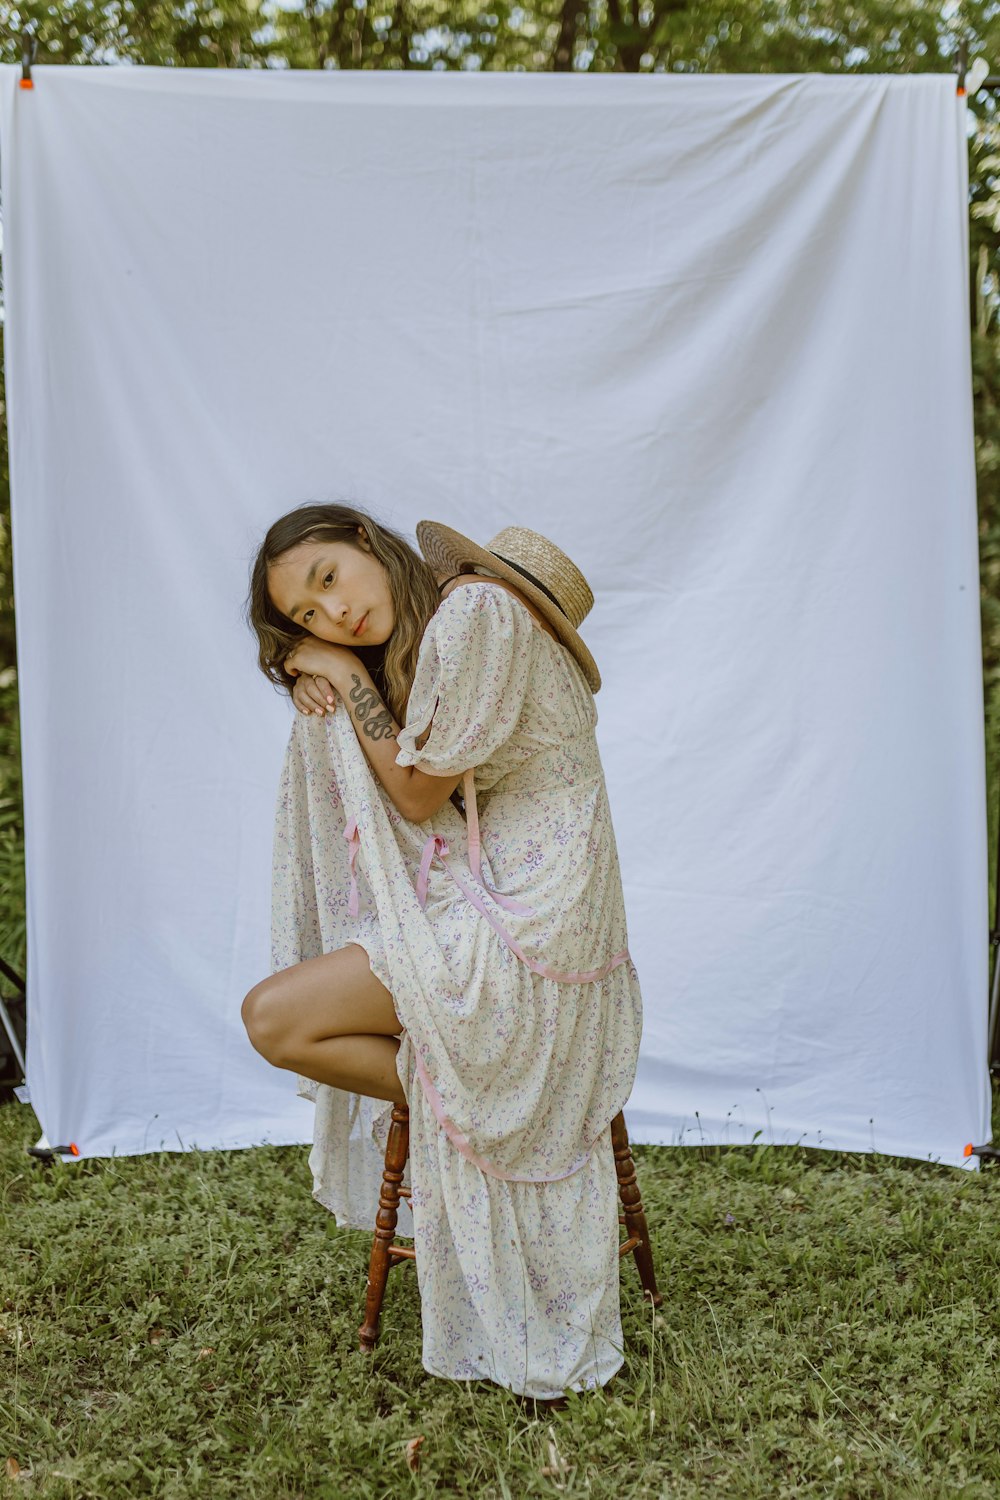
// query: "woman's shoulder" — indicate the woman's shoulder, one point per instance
point(470, 586)
point(472, 621)
point(472, 595)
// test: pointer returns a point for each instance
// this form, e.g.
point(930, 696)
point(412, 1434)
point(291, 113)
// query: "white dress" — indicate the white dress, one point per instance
point(510, 974)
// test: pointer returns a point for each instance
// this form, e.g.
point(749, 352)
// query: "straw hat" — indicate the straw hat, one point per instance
point(534, 565)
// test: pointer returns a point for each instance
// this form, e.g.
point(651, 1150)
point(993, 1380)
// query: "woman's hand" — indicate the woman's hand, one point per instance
point(313, 695)
point(321, 659)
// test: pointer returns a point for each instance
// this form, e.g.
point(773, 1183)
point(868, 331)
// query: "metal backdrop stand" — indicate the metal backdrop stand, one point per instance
point(12, 1057)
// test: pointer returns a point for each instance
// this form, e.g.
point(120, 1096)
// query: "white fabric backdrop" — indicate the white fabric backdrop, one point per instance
point(709, 333)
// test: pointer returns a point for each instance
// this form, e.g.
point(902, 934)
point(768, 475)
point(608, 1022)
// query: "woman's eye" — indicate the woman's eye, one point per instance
point(326, 580)
point(305, 617)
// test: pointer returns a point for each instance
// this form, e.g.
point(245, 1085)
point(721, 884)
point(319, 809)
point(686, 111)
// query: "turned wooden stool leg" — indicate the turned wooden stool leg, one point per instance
point(384, 1252)
point(635, 1219)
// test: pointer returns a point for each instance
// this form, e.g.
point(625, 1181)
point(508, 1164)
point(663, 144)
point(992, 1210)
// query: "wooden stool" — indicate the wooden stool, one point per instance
point(385, 1252)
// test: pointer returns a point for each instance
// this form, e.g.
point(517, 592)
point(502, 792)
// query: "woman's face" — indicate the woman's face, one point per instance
point(335, 590)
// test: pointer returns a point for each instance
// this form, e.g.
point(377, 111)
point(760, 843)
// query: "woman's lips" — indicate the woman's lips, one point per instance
point(360, 625)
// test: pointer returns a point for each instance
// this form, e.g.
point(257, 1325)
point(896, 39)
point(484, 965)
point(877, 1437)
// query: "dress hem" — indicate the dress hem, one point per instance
point(554, 1394)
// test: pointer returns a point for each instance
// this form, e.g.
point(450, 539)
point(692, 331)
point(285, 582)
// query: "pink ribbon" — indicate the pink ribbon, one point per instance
point(474, 892)
point(472, 823)
point(475, 863)
point(562, 976)
point(437, 847)
point(462, 1143)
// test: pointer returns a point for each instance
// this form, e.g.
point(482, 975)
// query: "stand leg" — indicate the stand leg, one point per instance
point(385, 1224)
point(635, 1219)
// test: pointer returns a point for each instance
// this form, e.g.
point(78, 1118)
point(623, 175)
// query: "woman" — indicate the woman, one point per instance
point(473, 963)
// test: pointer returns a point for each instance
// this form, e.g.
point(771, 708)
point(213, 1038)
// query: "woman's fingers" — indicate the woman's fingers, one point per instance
point(300, 695)
point(310, 695)
point(322, 695)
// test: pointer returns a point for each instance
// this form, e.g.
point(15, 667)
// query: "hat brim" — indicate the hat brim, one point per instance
point(449, 551)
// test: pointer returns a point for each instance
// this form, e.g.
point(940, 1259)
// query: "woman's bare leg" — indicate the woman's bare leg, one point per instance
point(359, 1064)
point(329, 1019)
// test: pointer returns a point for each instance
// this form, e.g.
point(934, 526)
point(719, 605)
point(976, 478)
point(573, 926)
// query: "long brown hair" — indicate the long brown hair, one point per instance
point(412, 584)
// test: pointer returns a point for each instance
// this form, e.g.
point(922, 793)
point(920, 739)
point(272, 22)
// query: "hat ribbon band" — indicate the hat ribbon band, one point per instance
point(531, 579)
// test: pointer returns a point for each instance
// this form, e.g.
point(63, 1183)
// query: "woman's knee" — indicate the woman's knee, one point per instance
point(266, 1020)
point(331, 996)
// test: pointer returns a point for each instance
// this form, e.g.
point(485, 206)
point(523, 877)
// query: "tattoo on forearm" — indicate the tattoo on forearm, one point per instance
point(377, 720)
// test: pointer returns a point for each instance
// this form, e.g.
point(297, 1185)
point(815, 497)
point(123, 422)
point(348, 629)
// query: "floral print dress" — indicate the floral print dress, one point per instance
point(502, 939)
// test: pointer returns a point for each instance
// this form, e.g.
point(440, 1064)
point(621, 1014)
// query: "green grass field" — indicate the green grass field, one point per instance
point(184, 1326)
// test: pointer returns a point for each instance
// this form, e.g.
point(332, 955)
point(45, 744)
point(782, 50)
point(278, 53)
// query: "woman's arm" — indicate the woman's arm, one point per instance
point(415, 794)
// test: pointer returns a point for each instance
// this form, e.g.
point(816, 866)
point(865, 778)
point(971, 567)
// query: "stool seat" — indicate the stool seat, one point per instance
point(386, 1253)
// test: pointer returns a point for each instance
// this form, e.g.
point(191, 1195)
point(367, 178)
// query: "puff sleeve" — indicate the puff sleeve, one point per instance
point(471, 679)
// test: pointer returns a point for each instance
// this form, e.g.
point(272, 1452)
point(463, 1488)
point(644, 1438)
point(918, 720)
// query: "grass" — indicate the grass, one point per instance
point(184, 1326)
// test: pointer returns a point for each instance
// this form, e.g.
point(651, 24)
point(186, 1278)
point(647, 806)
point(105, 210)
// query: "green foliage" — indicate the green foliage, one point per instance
point(598, 35)
point(12, 893)
point(184, 1326)
point(8, 649)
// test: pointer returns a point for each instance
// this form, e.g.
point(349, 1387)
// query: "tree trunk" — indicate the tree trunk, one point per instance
point(562, 57)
